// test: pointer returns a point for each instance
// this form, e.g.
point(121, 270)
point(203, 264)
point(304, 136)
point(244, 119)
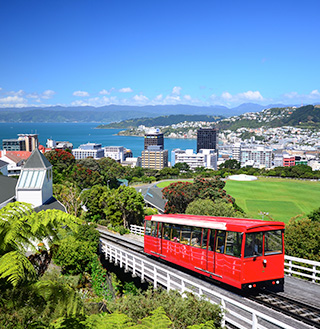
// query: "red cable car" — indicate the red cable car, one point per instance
point(244, 253)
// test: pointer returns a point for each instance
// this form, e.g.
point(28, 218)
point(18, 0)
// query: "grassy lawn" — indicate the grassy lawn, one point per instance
point(281, 198)
point(168, 182)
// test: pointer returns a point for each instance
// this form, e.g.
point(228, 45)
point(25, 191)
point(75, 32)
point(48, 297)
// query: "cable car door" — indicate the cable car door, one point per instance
point(211, 252)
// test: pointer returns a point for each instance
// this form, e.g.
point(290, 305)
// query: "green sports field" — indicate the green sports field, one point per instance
point(281, 198)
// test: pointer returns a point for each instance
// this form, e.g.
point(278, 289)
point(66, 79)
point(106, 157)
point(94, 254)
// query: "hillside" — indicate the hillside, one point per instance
point(160, 121)
point(305, 117)
point(115, 113)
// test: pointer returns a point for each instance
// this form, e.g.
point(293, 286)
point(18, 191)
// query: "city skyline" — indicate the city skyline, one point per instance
point(158, 53)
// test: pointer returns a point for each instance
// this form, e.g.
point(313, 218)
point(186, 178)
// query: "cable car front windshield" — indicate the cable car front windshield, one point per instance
point(272, 243)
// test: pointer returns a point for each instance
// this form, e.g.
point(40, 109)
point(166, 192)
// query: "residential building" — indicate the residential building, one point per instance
point(35, 182)
point(14, 144)
point(132, 162)
point(289, 160)
point(256, 156)
point(154, 137)
point(154, 157)
point(15, 160)
point(205, 158)
point(207, 139)
point(62, 145)
point(92, 150)
point(114, 152)
point(31, 141)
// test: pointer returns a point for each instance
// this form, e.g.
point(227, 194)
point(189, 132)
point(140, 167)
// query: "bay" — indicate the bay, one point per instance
point(81, 133)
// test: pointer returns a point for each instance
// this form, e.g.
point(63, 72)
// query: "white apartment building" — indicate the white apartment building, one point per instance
point(205, 158)
point(114, 152)
point(92, 150)
point(256, 156)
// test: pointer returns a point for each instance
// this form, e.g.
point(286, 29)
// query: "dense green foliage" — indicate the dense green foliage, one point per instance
point(207, 207)
point(125, 207)
point(180, 194)
point(182, 311)
point(302, 238)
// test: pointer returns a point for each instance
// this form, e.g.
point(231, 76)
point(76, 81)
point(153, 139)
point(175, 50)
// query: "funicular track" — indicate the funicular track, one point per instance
point(289, 306)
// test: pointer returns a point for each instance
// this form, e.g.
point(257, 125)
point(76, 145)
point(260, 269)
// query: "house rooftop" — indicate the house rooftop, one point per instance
point(37, 160)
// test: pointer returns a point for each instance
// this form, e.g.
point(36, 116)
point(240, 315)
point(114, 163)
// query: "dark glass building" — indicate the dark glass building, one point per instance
point(154, 138)
point(207, 139)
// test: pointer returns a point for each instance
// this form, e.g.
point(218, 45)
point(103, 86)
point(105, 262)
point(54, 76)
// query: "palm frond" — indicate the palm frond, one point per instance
point(15, 267)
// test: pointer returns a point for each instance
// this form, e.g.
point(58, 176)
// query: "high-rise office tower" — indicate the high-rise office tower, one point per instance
point(153, 138)
point(207, 139)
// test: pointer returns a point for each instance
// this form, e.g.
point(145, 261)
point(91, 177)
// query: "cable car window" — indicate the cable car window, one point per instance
point(273, 242)
point(211, 242)
point(185, 234)
point(154, 228)
point(253, 246)
point(233, 244)
point(148, 227)
point(196, 237)
point(204, 238)
point(221, 241)
point(166, 231)
point(175, 233)
point(160, 230)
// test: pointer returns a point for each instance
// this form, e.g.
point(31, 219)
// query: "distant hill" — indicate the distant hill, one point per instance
point(115, 113)
point(305, 117)
point(166, 120)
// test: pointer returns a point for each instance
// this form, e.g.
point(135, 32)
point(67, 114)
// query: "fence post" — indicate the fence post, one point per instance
point(290, 267)
point(168, 281)
point(254, 321)
point(314, 274)
point(155, 278)
point(223, 320)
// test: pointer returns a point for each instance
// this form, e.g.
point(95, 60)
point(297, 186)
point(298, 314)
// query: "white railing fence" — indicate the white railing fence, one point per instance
point(293, 266)
point(234, 312)
point(304, 268)
point(135, 229)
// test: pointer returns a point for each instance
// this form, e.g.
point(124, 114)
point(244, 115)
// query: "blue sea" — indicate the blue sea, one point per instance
point(81, 133)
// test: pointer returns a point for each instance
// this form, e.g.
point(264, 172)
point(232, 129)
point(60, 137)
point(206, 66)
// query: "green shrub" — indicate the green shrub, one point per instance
point(182, 311)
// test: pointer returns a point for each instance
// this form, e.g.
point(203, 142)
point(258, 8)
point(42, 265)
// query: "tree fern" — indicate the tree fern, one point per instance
point(21, 228)
point(15, 267)
point(158, 320)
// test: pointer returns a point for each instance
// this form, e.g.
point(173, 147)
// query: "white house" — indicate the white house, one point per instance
point(35, 182)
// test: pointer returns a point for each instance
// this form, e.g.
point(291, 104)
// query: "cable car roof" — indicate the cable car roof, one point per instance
point(219, 223)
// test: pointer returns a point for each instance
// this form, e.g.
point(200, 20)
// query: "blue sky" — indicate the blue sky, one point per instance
point(101, 52)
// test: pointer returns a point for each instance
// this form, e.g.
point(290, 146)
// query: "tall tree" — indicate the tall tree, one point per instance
point(125, 206)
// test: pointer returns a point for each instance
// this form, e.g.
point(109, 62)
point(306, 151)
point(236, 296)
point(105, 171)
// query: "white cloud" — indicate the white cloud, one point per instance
point(294, 96)
point(158, 98)
point(104, 92)
point(13, 101)
point(47, 94)
point(80, 93)
point(291, 95)
point(140, 98)
point(315, 93)
point(187, 97)
point(241, 97)
point(126, 90)
point(226, 95)
point(176, 90)
point(251, 95)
